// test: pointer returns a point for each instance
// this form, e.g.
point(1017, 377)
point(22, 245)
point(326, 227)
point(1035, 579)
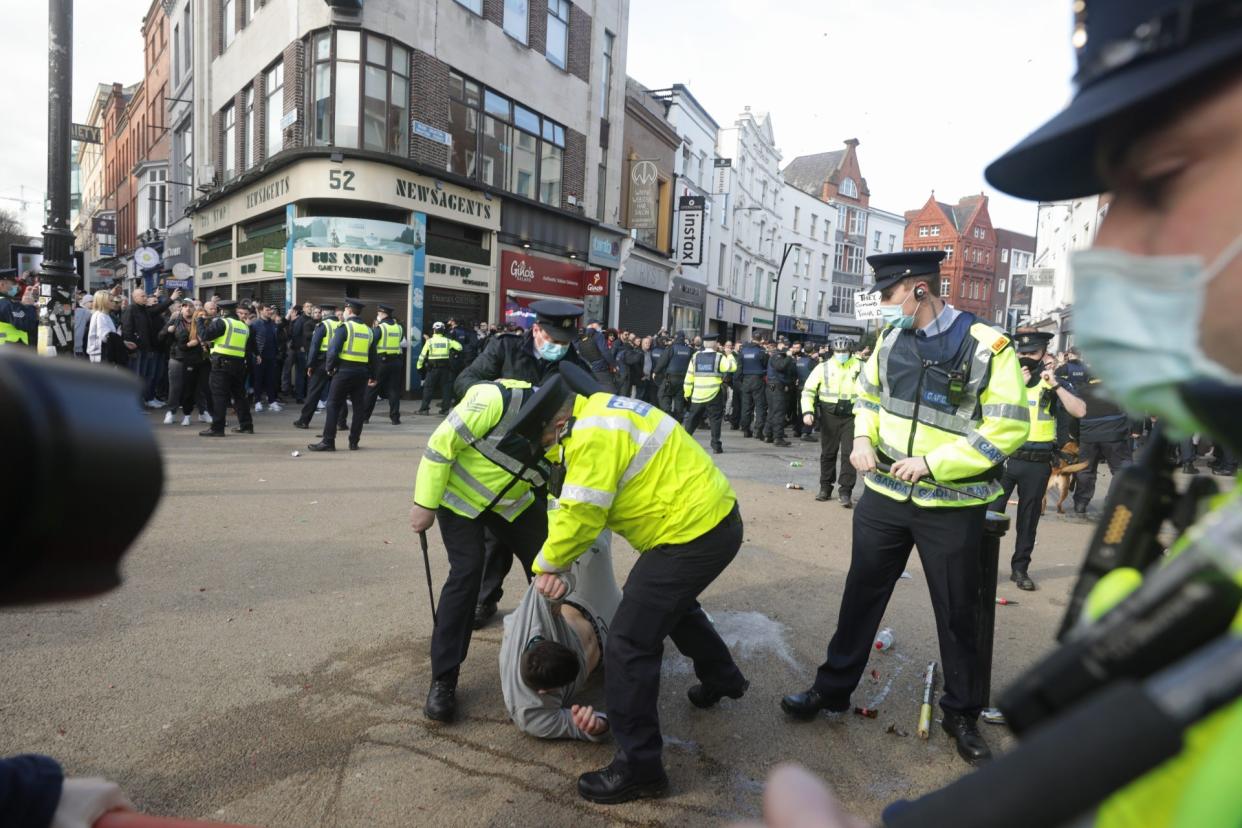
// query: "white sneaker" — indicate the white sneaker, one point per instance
point(207, 418)
point(275, 407)
point(185, 421)
point(321, 406)
point(258, 406)
point(203, 418)
point(154, 404)
point(169, 419)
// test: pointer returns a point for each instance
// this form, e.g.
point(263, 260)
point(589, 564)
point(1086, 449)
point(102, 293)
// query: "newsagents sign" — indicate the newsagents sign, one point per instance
point(350, 180)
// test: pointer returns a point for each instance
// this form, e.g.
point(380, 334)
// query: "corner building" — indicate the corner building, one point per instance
point(408, 153)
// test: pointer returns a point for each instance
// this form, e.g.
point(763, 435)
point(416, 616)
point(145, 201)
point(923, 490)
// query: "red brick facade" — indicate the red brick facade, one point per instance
point(965, 231)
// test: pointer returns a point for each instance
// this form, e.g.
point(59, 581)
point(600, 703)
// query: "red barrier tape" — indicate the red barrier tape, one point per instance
point(129, 819)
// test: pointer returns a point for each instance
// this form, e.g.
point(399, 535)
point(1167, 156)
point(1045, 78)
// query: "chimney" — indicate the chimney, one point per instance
point(852, 142)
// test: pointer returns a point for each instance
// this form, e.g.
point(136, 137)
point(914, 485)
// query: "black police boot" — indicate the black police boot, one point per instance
point(782, 442)
point(615, 784)
point(825, 493)
point(847, 502)
point(748, 435)
point(971, 745)
point(484, 613)
point(808, 438)
point(322, 446)
point(300, 424)
point(767, 439)
point(207, 432)
point(704, 696)
point(733, 427)
point(806, 706)
point(1189, 468)
point(441, 701)
point(718, 449)
point(243, 430)
point(395, 420)
point(353, 446)
point(1024, 582)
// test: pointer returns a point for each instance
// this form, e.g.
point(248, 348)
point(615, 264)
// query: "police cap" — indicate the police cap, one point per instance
point(8, 274)
point(540, 408)
point(327, 307)
point(709, 337)
point(1031, 342)
point(355, 305)
point(1134, 56)
point(227, 304)
point(385, 309)
point(891, 268)
point(557, 318)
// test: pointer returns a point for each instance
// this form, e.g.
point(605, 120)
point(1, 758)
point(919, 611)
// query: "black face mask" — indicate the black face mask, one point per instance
point(1034, 366)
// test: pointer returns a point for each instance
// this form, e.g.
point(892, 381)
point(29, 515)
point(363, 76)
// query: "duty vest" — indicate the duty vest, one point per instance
point(631, 468)
point(964, 415)
point(657, 351)
point(437, 349)
point(679, 362)
point(358, 337)
point(705, 375)
point(231, 343)
point(329, 328)
point(752, 360)
point(472, 464)
point(830, 382)
point(588, 349)
point(11, 333)
point(1043, 423)
point(804, 365)
point(389, 338)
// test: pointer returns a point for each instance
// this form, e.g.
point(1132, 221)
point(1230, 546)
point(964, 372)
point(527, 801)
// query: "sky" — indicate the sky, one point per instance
point(934, 89)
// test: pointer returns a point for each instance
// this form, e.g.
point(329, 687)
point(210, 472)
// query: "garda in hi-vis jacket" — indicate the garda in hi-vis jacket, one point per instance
point(471, 464)
point(963, 415)
point(437, 349)
point(705, 374)
point(831, 382)
point(631, 468)
point(1039, 398)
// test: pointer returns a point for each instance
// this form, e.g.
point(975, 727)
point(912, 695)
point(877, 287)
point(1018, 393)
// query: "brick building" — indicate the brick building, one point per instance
point(964, 231)
point(453, 158)
point(1011, 301)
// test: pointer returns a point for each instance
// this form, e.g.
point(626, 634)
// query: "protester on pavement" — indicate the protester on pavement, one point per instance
point(101, 327)
point(140, 325)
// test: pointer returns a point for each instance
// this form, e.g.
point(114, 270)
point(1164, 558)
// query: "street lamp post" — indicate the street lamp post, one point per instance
point(780, 271)
point(57, 269)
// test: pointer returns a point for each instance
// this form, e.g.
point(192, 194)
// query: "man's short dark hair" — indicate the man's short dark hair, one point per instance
point(547, 664)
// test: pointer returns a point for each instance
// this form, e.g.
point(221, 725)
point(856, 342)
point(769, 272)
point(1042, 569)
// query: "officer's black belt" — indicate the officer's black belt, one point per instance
point(1036, 456)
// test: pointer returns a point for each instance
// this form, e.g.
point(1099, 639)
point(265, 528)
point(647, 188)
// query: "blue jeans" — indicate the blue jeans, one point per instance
point(146, 364)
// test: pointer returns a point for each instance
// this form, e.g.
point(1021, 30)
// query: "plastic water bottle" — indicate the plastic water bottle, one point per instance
point(884, 639)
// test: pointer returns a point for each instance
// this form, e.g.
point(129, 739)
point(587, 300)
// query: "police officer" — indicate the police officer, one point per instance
point(753, 366)
point(941, 401)
point(352, 362)
point(437, 355)
point(1029, 468)
point(804, 364)
point(781, 378)
point(829, 394)
point(704, 388)
point(316, 368)
point(19, 322)
point(593, 348)
point(629, 468)
point(532, 357)
point(1074, 374)
point(231, 346)
point(474, 477)
point(672, 366)
point(389, 343)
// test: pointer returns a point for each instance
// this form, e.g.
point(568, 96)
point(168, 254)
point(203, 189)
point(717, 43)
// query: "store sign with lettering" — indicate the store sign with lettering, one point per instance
point(447, 273)
point(539, 275)
point(690, 230)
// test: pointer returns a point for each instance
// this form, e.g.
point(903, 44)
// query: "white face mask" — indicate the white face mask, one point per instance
point(1137, 320)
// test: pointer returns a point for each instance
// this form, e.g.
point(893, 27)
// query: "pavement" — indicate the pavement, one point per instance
point(266, 660)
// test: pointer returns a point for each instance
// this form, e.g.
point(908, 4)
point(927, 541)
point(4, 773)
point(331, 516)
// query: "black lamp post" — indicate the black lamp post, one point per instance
point(57, 269)
point(776, 303)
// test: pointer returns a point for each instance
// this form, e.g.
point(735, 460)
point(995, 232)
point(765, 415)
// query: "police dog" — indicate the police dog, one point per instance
point(1065, 465)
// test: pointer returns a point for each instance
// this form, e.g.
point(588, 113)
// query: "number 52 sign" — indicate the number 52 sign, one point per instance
point(689, 243)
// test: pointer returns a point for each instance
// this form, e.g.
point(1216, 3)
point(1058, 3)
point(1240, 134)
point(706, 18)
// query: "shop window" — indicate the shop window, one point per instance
point(262, 233)
point(450, 240)
point(216, 248)
point(360, 90)
point(517, 149)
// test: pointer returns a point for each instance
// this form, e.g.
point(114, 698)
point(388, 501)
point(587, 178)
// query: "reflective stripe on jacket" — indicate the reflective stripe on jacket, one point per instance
point(437, 349)
point(1039, 399)
point(831, 381)
point(910, 408)
point(631, 468)
point(357, 347)
point(329, 328)
point(705, 374)
point(231, 343)
point(389, 338)
point(469, 464)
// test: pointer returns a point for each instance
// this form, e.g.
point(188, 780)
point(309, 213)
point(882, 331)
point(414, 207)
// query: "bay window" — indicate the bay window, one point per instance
point(360, 91)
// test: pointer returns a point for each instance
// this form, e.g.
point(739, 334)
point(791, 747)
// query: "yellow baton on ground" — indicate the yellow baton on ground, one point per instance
point(925, 713)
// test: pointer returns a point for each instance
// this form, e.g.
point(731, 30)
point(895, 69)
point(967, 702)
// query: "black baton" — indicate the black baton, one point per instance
point(431, 595)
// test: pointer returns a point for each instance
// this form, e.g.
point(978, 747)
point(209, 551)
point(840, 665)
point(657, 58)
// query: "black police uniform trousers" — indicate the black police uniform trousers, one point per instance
point(320, 383)
point(497, 561)
point(836, 442)
point(347, 384)
point(389, 383)
point(948, 542)
point(661, 601)
point(792, 405)
point(778, 399)
point(228, 385)
point(1117, 453)
point(439, 382)
point(713, 409)
point(673, 396)
point(754, 404)
point(463, 540)
point(1031, 481)
point(735, 402)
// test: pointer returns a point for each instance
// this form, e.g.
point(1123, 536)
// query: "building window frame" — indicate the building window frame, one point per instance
point(472, 6)
point(605, 75)
point(230, 21)
point(273, 108)
point(228, 117)
point(558, 33)
point(248, 135)
point(849, 188)
point(376, 56)
point(516, 20)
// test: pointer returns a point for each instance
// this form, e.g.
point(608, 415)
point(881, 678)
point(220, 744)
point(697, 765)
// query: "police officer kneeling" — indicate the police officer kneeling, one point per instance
point(230, 345)
point(942, 401)
point(351, 362)
point(629, 468)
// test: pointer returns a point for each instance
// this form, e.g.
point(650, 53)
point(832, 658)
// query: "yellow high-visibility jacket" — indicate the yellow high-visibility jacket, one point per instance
point(829, 382)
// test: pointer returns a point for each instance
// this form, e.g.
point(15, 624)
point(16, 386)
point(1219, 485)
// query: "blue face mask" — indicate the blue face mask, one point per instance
point(1137, 320)
point(552, 351)
point(12, 291)
point(842, 358)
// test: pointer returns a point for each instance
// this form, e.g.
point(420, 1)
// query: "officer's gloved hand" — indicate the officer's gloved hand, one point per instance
point(84, 800)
